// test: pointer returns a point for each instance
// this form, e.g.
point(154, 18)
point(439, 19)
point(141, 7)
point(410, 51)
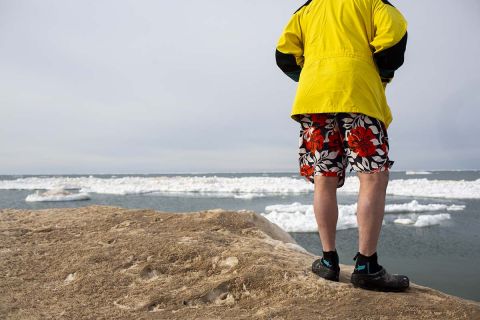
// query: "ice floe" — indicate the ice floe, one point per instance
point(414, 206)
point(430, 219)
point(448, 189)
point(297, 217)
point(57, 194)
point(408, 173)
point(404, 221)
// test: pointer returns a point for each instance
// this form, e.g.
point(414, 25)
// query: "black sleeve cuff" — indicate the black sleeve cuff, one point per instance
point(391, 59)
point(288, 64)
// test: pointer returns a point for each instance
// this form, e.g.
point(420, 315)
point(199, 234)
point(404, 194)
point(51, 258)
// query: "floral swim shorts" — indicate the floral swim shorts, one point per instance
point(329, 142)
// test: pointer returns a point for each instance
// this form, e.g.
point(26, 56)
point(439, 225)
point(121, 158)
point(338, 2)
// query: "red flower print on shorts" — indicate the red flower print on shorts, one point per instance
point(315, 143)
point(360, 141)
point(306, 170)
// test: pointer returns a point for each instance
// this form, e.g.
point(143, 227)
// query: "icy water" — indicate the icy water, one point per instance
point(430, 233)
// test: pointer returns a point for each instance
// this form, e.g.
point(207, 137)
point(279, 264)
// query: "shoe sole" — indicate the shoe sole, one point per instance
point(373, 282)
point(331, 277)
point(374, 288)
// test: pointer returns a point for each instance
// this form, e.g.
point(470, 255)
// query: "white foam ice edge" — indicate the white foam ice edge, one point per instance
point(414, 206)
point(57, 194)
point(448, 189)
point(238, 187)
point(408, 173)
point(424, 220)
point(297, 217)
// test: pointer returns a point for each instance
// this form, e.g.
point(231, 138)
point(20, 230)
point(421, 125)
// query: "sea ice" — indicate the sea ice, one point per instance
point(57, 194)
point(431, 219)
point(239, 187)
point(301, 218)
point(414, 206)
point(404, 221)
point(449, 189)
point(417, 172)
point(297, 217)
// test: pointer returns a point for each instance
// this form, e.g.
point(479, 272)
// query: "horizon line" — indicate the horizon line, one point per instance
point(212, 172)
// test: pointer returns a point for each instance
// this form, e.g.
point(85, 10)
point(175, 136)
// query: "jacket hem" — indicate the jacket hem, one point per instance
point(386, 121)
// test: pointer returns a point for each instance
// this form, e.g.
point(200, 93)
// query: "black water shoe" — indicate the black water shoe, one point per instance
point(327, 267)
point(380, 281)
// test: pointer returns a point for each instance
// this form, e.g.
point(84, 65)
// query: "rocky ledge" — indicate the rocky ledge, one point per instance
point(102, 262)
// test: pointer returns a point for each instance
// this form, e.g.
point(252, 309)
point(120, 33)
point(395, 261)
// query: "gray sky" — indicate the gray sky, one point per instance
point(192, 86)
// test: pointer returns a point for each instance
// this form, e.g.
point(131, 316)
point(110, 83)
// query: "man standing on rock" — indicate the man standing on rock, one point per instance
point(343, 53)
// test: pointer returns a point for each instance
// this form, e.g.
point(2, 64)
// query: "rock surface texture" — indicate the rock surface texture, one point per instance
point(102, 262)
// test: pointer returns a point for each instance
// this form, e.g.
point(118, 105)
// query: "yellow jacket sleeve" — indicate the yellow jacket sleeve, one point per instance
point(289, 51)
point(390, 38)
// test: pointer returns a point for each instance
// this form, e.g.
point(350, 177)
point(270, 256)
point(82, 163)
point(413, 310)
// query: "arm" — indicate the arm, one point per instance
point(390, 39)
point(289, 51)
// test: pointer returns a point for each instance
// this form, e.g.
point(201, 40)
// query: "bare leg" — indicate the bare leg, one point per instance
point(370, 209)
point(326, 210)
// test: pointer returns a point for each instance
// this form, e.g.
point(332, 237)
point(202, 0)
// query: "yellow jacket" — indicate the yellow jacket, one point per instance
point(341, 51)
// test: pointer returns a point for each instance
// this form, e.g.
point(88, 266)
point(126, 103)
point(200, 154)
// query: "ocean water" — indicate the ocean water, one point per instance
point(430, 232)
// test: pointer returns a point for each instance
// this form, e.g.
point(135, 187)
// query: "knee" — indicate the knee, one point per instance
point(325, 183)
point(377, 178)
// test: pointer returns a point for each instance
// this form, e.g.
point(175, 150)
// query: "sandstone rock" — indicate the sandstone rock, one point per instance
point(102, 262)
